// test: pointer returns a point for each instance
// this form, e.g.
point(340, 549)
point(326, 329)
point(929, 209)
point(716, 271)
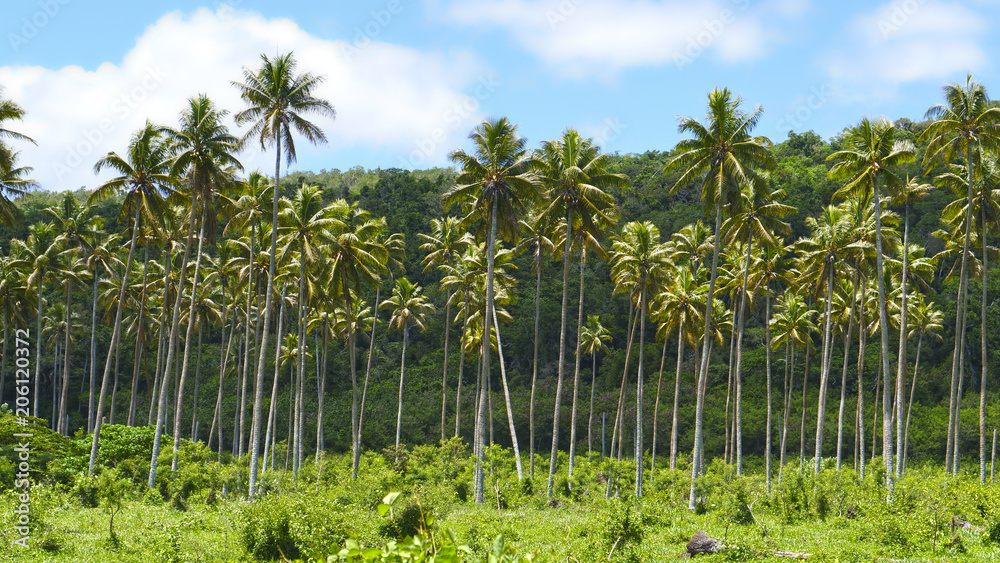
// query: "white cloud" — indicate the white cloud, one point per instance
point(388, 98)
point(908, 41)
point(581, 37)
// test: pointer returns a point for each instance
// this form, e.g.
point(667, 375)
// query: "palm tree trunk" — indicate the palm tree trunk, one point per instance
point(444, 374)
point(699, 418)
point(93, 349)
point(187, 342)
point(140, 346)
point(638, 391)
point(633, 323)
point(485, 377)
point(161, 335)
point(197, 381)
point(887, 450)
point(805, 395)
point(909, 408)
point(824, 371)
point(656, 412)
point(958, 357)
point(272, 405)
point(739, 361)
point(767, 334)
point(576, 370)
point(506, 397)
point(534, 365)
point(843, 375)
point(461, 366)
point(590, 419)
point(320, 438)
point(901, 356)
point(677, 390)
point(63, 424)
point(239, 435)
point(789, 375)
point(115, 333)
point(859, 455)
point(217, 416)
point(301, 363)
point(38, 349)
point(562, 353)
point(368, 368)
point(402, 372)
point(985, 360)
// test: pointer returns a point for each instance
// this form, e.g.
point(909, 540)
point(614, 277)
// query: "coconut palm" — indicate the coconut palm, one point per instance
point(409, 308)
point(968, 122)
point(443, 246)
point(497, 185)
point(792, 324)
point(9, 111)
point(723, 157)
point(276, 99)
point(594, 336)
point(927, 321)
point(871, 154)
point(14, 182)
point(15, 302)
point(639, 265)
point(575, 176)
point(145, 179)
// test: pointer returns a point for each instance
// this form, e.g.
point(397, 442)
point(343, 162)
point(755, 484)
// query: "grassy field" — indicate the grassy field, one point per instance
point(198, 513)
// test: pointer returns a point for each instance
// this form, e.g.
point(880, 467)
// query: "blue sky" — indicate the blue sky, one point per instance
point(410, 78)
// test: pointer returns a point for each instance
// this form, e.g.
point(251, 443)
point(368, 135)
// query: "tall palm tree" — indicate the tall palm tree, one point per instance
point(71, 271)
point(443, 246)
point(575, 176)
point(872, 152)
point(968, 122)
point(927, 321)
point(497, 185)
point(639, 265)
point(409, 308)
point(145, 179)
point(723, 157)
point(9, 111)
point(276, 99)
point(14, 182)
point(793, 324)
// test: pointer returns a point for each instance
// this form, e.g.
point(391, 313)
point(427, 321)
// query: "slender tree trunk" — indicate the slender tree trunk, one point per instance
point(197, 381)
point(272, 405)
point(767, 437)
point(242, 406)
point(301, 363)
point(633, 323)
point(368, 368)
point(461, 366)
point(355, 413)
point(140, 342)
point(576, 370)
point(593, 384)
point(320, 438)
point(115, 333)
point(506, 397)
point(258, 388)
point(862, 346)
point(187, 343)
point(64, 396)
point(656, 412)
point(824, 371)
point(444, 374)
point(901, 356)
point(38, 348)
point(843, 375)
point(677, 391)
point(739, 360)
point(638, 391)
point(93, 349)
point(402, 372)
point(485, 377)
point(534, 365)
point(562, 353)
point(984, 356)
point(805, 395)
point(887, 449)
point(699, 418)
point(789, 375)
point(909, 408)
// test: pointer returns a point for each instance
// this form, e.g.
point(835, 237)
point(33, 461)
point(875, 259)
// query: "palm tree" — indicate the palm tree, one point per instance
point(276, 98)
point(574, 175)
point(497, 184)
point(409, 308)
point(723, 156)
point(639, 265)
point(13, 183)
point(443, 246)
point(871, 154)
point(593, 337)
point(145, 180)
point(968, 122)
point(9, 111)
point(15, 299)
point(71, 271)
point(793, 324)
point(927, 321)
